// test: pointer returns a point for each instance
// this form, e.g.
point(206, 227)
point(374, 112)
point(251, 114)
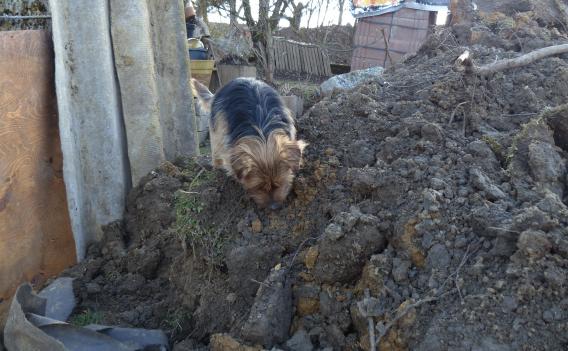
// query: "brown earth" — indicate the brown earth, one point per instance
point(441, 195)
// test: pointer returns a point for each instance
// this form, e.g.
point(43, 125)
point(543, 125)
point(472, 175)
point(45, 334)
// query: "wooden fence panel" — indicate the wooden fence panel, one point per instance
point(297, 57)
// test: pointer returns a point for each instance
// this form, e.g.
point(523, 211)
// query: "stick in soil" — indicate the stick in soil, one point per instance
point(371, 326)
point(455, 111)
point(502, 65)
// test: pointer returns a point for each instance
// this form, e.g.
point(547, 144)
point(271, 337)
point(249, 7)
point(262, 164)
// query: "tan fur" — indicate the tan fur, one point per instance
point(264, 166)
point(220, 153)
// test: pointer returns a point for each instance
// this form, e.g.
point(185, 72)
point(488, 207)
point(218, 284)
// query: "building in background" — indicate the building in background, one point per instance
point(386, 30)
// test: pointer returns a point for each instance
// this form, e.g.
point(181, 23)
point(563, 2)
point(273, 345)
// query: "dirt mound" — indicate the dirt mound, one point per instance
point(440, 196)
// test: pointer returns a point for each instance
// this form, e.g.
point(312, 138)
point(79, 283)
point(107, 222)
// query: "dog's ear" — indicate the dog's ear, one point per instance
point(293, 153)
point(202, 93)
point(241, 163)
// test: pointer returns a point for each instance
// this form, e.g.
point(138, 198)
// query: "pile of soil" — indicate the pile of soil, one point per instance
point(431, 203)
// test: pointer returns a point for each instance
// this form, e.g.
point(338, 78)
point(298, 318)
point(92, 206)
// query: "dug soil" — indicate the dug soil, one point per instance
point(431, 209)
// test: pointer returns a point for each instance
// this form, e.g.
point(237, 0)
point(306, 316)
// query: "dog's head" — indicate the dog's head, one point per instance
point(266, 167)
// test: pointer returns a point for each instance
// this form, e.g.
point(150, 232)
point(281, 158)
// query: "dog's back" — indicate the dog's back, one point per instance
point(251, 108)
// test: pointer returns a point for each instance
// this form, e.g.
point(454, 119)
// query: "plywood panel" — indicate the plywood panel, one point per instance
point(35, 233)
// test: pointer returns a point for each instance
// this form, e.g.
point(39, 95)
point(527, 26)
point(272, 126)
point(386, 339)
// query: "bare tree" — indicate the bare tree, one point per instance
point(261, 30)
point(324, 13)
point(233, 11)
point(341, 5)
point(297, 14)
point(202, 6)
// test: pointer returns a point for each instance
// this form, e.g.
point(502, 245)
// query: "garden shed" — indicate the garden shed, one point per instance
point(387, 30)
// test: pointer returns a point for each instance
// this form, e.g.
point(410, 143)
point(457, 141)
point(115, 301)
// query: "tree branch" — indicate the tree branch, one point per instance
point(467, 63)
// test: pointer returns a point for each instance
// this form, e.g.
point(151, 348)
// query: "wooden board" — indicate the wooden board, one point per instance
point(35, 232)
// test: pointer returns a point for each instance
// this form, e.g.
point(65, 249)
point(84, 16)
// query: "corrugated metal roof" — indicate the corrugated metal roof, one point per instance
point(360, 10)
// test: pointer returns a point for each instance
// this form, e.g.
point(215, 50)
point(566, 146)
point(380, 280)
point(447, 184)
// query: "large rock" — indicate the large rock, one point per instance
point(343, 252)
point(271, 314)
point(350, 80)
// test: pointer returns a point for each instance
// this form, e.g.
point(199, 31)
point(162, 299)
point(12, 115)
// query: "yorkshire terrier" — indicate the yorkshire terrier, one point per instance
point(253, 138)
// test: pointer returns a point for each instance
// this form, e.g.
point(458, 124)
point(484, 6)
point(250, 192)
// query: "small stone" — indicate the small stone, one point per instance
point(438, 257)
point(93, 288)
point(437, 184)
point(231, 297)
point(484, 183)
point(548, 316)
point(307, 306)
point(132, 283)
point(334, 232)
point(534, 244)
point(509, 304)
point(311, 257)
point(555, 277)
point(400, 270)
point(500, 284)
point(224, 342)
point(306, 276)
point(348, 219)
point(256, 226)
point(432, 132)
point(300, 342)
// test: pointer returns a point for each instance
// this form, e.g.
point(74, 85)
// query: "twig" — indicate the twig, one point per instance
point(259, 283)
point(195, 178)
point(454, 275)
point(371, 324)
point(405, 311)
point(300, 248)
point(455, 111)
point(187, 192)
point(387, 46)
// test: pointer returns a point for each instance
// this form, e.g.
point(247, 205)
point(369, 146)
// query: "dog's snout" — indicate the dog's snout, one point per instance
point(274, 206)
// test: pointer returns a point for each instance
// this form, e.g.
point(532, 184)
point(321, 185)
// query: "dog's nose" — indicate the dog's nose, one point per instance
point(275, 206)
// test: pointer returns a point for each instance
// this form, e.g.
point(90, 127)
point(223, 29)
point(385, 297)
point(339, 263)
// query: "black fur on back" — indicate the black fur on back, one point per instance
point(252, 108)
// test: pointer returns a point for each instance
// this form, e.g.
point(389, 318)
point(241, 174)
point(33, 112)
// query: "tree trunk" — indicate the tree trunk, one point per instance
point(265, 38)
point(325, 12)
point(311, 11)
point(296, 19)
point(202, 10)
point(341, 4)
point(233, 10)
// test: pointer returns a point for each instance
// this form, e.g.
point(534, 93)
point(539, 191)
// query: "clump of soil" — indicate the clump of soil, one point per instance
point(431, 202)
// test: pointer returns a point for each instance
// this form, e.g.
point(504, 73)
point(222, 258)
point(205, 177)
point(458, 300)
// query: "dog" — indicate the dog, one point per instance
point(253, 138)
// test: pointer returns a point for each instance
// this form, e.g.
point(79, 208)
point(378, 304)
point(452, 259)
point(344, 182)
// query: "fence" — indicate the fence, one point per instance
point(297, 57)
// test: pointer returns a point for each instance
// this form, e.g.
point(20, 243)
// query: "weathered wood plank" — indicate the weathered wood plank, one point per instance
point(35, 232)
